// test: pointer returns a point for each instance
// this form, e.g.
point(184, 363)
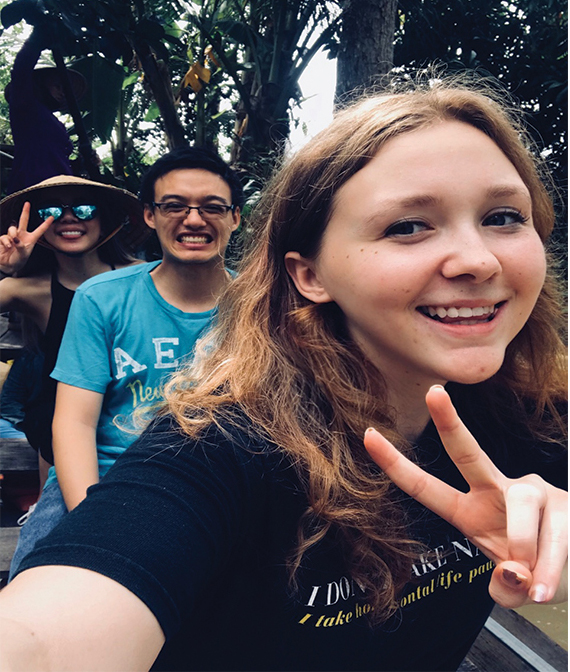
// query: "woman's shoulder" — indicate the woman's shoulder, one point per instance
point(29, 295)
point(222, 454)
point(28, 283)
point(229, 441)
point(230, 428)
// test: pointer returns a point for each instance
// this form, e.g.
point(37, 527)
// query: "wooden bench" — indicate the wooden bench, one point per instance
point(11, 341)
point(16, 455)
point(8, 540)
point(507, 643)
point(510, 643)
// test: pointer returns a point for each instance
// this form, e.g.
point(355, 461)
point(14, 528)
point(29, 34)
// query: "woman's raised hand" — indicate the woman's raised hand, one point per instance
point(521, 524)
point(17, 243)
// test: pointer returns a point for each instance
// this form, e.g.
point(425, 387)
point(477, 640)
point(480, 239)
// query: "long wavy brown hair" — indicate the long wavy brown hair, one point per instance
point(291, 368)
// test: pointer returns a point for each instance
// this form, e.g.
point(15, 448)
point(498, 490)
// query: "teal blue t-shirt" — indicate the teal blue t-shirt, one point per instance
point(122, 339)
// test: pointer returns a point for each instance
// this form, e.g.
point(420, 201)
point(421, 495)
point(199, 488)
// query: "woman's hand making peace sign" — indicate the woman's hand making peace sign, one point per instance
point(521, 524)
point(17, 243)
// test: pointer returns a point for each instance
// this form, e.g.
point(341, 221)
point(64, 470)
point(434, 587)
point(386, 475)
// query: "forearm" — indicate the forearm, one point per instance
point(74, 432)
point(26, 58)
point(75, 458)
point(8, 288)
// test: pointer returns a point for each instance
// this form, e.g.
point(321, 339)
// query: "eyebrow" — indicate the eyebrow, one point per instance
point(417, 201)
point(507, 190)
point(427, 200)
point(210, 197)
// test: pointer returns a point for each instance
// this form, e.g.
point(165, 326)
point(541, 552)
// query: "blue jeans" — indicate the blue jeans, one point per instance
point(49, 510)
point(8, 431)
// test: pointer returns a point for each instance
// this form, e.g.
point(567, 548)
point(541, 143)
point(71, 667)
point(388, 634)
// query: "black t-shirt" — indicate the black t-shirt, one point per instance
point(40, 408)
point(201, 532)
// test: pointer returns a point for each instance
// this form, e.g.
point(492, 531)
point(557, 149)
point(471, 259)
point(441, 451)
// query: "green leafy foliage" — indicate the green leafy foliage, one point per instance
point(101, 102)
point(144, 48)
point(135, 55)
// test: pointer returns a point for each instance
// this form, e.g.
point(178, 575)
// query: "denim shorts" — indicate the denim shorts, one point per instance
point(49, 510)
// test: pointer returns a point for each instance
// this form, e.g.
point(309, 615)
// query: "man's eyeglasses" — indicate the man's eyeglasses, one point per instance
point(82, 212)
point(174, 209)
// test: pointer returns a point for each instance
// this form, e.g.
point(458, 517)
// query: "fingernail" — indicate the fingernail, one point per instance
point(370, 429)
point(513, 578)
point(538, 593)
point(437, 387)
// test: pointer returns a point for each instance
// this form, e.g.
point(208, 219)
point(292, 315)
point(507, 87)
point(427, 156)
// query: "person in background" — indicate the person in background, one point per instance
point(21, 385)
point(129, 329)
point(53, 236)
point(42, 147)
point(398, 281)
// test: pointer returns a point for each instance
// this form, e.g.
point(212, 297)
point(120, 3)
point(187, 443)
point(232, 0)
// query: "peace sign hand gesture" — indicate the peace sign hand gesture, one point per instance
point(521, 524)
point(17, 244)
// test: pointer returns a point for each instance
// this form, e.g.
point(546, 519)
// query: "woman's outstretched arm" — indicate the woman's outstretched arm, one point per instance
point(75, 620)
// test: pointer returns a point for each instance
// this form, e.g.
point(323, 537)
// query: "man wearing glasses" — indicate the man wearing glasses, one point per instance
point(129, 329)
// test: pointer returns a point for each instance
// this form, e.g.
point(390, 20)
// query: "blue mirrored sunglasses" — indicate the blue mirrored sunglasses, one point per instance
point(82, 212)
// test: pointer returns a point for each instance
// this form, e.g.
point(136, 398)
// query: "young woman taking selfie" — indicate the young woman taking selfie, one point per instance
point(399, 281)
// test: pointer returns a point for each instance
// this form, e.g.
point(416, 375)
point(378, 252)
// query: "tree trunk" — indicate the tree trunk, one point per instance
point(159, 82)
point(262, 127)
point(366, 49)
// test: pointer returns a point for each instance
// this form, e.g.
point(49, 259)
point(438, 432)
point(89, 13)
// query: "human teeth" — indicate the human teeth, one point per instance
point(463, 312)
point(193, 239)
point(71, 234)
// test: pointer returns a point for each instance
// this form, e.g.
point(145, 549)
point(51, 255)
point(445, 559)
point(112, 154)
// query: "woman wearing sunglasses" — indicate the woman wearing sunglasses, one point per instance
point(54, 236)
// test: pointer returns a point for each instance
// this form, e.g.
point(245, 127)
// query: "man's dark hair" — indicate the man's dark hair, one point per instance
point(190, 157)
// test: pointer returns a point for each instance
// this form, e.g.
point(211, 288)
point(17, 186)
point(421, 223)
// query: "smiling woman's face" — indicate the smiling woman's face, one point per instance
point(70, 233)
point(432, 256)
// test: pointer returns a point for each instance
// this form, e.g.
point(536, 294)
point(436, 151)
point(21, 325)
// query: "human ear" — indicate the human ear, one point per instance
point(149, 217)
point(306, 280)
point(236, 217)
